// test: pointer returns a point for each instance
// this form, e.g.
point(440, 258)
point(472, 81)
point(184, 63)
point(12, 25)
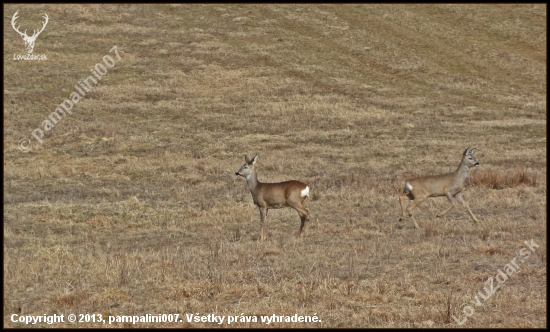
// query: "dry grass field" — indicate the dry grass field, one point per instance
point(131, 205)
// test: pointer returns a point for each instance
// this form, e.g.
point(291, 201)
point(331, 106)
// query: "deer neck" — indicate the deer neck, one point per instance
point(462, 171)
point(252, 181)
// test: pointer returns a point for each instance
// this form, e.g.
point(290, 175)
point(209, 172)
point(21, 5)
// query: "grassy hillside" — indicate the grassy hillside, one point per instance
point(130, 205)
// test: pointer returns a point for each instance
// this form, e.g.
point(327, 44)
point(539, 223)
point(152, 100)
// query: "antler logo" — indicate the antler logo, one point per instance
point(29, 41)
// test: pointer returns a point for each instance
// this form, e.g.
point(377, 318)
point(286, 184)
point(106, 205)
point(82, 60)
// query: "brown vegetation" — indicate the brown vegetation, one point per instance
point(131, 205)
point(500, 179)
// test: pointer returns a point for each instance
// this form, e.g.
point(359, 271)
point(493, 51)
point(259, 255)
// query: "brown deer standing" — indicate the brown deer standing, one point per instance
point(449, 185)
point(274, 195)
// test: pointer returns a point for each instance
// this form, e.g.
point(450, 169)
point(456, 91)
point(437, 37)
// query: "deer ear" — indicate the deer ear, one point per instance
point(255, 159)
point(246, 159)
point(466, 151)
point(473, 150)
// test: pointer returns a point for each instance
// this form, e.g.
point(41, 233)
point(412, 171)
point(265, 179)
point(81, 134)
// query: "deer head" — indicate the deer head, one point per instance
point(29, 41)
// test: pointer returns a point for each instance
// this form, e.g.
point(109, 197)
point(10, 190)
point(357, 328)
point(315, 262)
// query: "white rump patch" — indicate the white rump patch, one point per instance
point(408, 186)
point(305, 192)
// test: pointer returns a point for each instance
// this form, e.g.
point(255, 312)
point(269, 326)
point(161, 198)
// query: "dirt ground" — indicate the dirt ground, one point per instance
point(129, 204)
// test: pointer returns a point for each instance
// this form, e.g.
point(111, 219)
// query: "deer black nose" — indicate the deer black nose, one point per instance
point(237, 173)
point(476, 164)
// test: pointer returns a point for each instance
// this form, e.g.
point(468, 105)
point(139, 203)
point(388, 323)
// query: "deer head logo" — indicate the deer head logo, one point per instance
point(29, 41)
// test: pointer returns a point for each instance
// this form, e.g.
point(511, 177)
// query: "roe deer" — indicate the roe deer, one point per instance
point(449, 185)
point(274, 195)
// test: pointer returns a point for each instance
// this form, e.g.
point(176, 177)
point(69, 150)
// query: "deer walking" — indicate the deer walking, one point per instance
point(274, 195)
point(449, 185)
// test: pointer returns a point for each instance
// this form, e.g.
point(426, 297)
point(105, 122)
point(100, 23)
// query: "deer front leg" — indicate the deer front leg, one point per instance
point(452, 200)
point(263, 214)
point(463, 202)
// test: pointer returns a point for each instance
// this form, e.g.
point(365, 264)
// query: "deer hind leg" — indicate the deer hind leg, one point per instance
point(402, 199)
point(452, 200)
point(463, 202)
point(302, 224)
point(416, 201)
point(304, 215)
